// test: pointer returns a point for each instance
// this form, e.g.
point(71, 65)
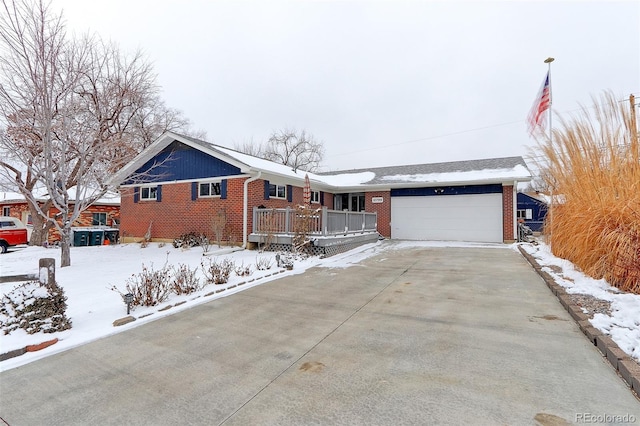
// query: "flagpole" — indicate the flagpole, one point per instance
point(548, 62)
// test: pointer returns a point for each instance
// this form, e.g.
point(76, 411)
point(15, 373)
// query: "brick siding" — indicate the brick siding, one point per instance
point(20, 210)
point(508, 215)
point(382, 209)
point(177, 214)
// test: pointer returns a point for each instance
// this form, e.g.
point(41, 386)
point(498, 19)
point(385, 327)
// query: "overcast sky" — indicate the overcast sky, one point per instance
point(379, 82)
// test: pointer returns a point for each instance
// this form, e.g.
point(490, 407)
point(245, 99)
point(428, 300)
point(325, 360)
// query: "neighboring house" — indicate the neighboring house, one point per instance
point(186, 185)
point(105, 213)
point(532, 208)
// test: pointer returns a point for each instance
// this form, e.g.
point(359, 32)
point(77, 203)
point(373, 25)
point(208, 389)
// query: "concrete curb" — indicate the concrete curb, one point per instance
point(626, 367)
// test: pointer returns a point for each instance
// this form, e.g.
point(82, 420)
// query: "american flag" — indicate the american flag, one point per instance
point(540, 106)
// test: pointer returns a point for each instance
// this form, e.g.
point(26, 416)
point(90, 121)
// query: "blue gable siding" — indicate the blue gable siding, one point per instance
point(181, 162)
point(538, 211)
point(447, 190)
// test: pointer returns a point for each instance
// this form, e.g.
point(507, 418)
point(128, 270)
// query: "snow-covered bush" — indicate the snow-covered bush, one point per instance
point(218, 272)
point(149, 287)
point(243, 271)
point(184, 280)
point(34, 308)
point(188, 240)
point(285, 260)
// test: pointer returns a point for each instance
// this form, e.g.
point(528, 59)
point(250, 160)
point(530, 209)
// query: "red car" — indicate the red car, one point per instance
point(12, 233)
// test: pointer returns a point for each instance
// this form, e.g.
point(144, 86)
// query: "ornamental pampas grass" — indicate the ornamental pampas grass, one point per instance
point(593, 166)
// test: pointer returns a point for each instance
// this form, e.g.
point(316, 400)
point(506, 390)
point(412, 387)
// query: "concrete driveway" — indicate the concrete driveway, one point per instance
point(412, 336)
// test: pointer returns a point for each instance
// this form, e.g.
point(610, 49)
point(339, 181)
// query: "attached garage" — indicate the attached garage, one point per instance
point(460, 217)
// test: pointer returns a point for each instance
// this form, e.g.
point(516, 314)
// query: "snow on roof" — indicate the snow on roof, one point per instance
point(10, 196)
point(485, 170)
point(348, 179)
point(518, 171)
point(110, 198)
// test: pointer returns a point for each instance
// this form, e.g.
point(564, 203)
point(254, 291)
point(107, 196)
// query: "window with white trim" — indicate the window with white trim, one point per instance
point(6, 211)
point(277, 191)
point(209, 189)
point(525, 214)
point(149, 193)
point(99, 219)
point(315, 196)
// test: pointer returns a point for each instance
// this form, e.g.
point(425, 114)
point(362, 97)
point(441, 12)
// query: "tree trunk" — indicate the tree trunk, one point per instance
point(65, 245)
point(41, 225)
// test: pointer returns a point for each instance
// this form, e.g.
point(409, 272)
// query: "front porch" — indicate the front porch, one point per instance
point(329, 232)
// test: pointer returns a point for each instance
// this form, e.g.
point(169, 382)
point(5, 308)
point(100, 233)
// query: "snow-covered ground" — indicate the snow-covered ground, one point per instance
point(623, 325)
point(93, 306)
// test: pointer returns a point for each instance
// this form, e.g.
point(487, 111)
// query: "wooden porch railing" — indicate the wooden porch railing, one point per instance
point(322, 222)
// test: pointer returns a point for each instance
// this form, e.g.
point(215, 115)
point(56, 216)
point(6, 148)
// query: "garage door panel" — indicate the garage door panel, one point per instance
point(472, 217)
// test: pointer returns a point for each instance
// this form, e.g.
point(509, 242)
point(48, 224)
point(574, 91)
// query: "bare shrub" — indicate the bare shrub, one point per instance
point(264, 263)
point(243, 271)
point(217, 272)
point(184, 280)
point(149, 287)
point(204, 243)
point(218, 224)
point(305, 223)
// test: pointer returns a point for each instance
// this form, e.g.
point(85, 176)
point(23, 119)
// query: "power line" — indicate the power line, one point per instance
point(428, 138)
point(453, 133)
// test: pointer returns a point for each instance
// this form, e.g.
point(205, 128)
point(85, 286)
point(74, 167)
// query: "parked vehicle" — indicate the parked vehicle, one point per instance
point(12, 233)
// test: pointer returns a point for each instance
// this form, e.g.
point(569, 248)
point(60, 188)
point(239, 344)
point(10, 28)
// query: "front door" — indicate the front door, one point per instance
point(352, 202)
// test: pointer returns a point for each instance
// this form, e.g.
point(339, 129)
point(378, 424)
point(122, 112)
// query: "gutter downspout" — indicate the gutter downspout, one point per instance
point(245, 208)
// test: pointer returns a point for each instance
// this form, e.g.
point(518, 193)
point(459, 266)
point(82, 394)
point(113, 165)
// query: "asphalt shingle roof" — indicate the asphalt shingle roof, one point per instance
point(432, 168)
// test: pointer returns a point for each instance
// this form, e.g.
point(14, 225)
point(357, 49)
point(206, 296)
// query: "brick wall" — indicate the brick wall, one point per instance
point(21, 211)
point(177, 214)
point(17, 210)
point(508, 215)
point(383, 209)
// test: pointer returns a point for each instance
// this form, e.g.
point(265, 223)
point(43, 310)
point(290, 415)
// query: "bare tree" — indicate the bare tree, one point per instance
point(298, 150)
point(250, 147)
point(75, 111)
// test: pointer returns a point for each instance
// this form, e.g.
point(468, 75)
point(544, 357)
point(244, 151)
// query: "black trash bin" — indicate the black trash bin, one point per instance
point(80, 237)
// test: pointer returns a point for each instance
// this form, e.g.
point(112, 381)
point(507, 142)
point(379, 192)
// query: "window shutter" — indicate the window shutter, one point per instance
point(289, 193)
point(159, 193)
point(321, 198)
point(136, 194)
point(223, 189)
point(194, 191)
point(266, 189)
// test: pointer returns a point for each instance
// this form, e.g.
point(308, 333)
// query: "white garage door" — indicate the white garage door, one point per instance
point(470, 217)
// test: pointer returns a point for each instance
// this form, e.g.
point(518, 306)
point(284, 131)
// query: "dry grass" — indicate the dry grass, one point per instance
point(593, 164)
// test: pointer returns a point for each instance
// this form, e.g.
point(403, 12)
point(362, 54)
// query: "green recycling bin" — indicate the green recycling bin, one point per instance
point(111, 235)
point(96, 236)
point(80, 237)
